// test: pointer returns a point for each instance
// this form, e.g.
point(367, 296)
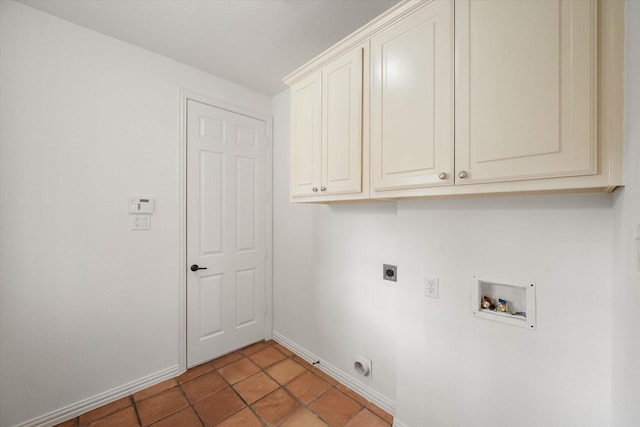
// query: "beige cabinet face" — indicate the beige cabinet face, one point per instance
point(525, 89)
point(412, 101)
point(508, 96)
point(342, 124)
point(305, 146)
point(326, 154)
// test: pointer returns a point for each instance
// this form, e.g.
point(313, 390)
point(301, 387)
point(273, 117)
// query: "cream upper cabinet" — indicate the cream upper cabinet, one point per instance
point(342, 123)
point(461, 97)
point(412, 101)
point(305, 149)
point(327, 130)
point(526, 89)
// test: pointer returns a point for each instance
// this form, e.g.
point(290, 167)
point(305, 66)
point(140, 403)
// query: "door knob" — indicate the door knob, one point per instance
point(195, 267)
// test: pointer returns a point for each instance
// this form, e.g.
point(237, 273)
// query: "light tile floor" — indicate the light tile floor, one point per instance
point(264, 384)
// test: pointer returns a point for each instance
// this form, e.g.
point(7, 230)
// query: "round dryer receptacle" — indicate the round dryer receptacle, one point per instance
point(362, 367)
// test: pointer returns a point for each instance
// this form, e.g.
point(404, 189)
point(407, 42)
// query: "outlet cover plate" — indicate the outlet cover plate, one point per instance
point(140, 222)
point(432, 287)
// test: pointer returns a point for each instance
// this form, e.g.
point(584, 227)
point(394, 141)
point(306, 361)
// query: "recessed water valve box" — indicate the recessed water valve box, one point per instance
point(390, 272)
point(513, 303)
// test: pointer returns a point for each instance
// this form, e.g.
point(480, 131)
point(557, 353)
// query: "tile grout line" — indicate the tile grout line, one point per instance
point(280, 386)
point(314, 369)
point(189, 403)
point(308, 368)
point(263, 370)
point(246, 353)
point(230, 386)
point(285, 389)
point(238, 394)
point(250, 407)
point(135, 409)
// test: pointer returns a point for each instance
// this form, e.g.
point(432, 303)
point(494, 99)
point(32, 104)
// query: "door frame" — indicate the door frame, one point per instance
point(185, 96)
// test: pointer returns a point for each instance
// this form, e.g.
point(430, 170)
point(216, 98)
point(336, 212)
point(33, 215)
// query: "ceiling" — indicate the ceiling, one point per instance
point(253, 43)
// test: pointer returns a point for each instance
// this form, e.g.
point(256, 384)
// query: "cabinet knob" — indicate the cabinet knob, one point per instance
point(442, 175)
point(462, 174)
point(323, 188)
point(315, 189)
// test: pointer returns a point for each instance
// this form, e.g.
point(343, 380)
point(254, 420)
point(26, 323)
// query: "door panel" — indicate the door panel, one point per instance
point(226, 231)
point(211, 303)
point(246, 296)
point(212, 184)
point(246, 207)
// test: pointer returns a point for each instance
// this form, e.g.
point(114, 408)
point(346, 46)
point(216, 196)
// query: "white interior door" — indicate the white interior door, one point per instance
point(226, 231)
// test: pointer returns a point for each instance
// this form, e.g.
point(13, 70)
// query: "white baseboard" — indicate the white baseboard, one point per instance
point(86, 405)
point(367, 392)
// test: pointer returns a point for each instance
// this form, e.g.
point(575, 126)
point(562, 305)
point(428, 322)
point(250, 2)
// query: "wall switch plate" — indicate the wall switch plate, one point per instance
point(432, 287)
point(140, 222)
point(141, 205)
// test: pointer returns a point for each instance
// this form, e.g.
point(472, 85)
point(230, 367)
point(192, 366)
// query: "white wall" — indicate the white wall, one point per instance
point(458, 370)
point(87, 305)
point(451, 368)
point(626, 262)
point(329, 296)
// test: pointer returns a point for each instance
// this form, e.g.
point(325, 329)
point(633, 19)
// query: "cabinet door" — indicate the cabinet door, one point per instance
point(525, 89)
point(342, 124)
point(305, 146)
point(412, 101)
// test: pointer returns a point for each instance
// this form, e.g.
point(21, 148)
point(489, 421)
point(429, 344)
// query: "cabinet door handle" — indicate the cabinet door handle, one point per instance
point(315, 189)
point(442, 175)
point(462, 174)
point(323, 188)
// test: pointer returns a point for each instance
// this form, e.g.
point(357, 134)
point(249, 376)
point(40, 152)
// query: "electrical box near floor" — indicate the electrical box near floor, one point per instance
point(504, 301)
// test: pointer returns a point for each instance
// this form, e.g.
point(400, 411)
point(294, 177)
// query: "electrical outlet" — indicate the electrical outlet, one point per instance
point(140, 222)
point(432, 287)
point(390, 272)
